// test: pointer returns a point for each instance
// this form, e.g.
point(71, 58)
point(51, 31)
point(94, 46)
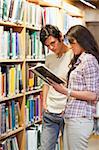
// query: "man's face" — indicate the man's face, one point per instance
point(53, 44)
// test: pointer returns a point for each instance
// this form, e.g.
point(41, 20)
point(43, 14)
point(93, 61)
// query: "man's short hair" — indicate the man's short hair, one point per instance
point(49, 30)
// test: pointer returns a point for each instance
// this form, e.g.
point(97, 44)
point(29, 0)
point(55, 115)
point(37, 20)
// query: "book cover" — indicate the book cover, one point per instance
point(18, 111)
point(12, 80)
point(44, 73)
point(31, 136)
point(13, 114)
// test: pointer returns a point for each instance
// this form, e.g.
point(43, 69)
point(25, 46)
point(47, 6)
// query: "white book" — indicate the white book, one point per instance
point(15, 142)
point(1, 9)
point(32, 139)
point(8, 8)
point(1, 41)
point(15, 11)
point(21, 16)
point(38, 16)
point(33, 17)
point(5, 45)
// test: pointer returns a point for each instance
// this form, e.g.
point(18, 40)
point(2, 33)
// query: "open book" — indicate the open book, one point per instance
point(44, 73)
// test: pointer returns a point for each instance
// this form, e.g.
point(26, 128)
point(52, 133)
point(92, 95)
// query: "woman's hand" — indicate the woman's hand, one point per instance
point(58, 87)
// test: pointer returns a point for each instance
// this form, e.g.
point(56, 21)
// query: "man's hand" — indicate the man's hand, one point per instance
point(44, 106)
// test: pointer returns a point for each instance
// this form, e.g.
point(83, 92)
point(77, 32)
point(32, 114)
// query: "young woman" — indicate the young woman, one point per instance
point(82, 88)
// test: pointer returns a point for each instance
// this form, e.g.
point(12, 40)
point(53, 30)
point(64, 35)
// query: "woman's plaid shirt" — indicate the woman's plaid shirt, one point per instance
point(84, 77)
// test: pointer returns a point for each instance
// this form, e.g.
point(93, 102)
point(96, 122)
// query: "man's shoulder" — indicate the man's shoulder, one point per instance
point(69, 53)
point(51, 56)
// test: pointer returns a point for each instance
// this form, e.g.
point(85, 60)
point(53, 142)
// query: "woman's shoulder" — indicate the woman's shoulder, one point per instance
point(89, 59)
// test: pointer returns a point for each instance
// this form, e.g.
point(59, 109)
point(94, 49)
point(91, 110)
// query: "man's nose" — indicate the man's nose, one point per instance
point(50, 47)
point(69, 46)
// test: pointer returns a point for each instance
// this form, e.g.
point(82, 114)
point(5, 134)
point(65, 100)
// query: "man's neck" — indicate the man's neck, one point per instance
point(62, 51)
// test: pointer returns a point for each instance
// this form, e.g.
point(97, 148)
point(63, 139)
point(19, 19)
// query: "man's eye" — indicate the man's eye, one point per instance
point(52, 43)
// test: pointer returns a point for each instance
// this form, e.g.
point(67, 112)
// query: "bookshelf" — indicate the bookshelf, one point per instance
point(22, 31)
point(12, 128)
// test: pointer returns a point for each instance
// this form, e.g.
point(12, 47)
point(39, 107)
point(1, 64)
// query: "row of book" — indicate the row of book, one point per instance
point(34, 20)
point(12, 10)
point(10, 43)
point(9, 144)
point(59, 18)
point(69, 21)
point(34, 49)
point(55, 2)
point(33, 108)
point(50, 15)
point(33, 81)
point(42, 15)
point(10, 80)
point(10, 116)
point(33, 138)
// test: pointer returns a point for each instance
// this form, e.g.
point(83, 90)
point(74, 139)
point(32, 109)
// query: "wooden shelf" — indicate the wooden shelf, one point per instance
point(33, 123)
point(4, 99)
point(33, 92)
point(34, 1)
point(46, 4)
point(93, 136)
point(43, 3)
point(11, 133)
point(35, 60)
point(11, 24)
point(11, 60)
point(33, 28)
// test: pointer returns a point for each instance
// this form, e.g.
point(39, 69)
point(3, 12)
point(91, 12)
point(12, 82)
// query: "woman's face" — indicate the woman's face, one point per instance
point(77, 49)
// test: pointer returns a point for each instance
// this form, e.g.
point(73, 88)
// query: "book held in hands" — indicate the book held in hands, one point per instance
point(45, 73)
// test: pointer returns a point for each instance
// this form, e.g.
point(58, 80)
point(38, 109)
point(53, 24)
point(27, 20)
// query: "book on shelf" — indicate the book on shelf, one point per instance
point(45, 74)
point(10, 143)
point(33, 137)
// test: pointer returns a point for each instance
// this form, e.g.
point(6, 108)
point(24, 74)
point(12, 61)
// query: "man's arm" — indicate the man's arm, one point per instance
point(45, 92)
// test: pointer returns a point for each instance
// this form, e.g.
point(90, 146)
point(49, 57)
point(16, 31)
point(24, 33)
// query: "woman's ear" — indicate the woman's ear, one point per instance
point(61, 37)
point(74, 41)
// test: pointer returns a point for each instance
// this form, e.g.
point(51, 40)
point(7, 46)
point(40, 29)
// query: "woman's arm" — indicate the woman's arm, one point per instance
point(82, 95)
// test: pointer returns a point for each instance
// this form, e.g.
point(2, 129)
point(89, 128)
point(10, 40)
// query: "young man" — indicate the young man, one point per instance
point(54, 102)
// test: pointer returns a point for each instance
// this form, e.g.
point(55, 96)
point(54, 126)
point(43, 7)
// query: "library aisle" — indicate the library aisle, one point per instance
point(93, 144)
point(20, 48)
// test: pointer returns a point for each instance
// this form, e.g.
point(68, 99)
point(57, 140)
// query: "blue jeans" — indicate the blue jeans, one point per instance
point(52, 124)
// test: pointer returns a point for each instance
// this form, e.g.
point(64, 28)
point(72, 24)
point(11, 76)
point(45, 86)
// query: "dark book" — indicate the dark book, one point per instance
point(44, 73)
